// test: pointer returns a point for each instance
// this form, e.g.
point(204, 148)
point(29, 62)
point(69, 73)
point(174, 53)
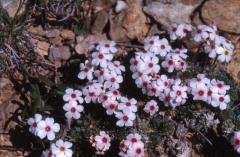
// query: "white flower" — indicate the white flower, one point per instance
point(48, 153)
point(219, 86)
point(200, 33)
point(111, 106)
point(163, 82)
point(169, 64)
point(236, 141)
point(224, 55)
point(132, 146)
point(137, 150)
point(85, 71)
point(102, 74)
point(47, 128)
point(62, 148)
point(179, 54)
point(179, 93)
point(73, 95)
point(107, 47)
point(211, 49)
point(73, 110)
point(183, 29)
point(172, 32)
point(151, 44)
point(152, 66)
point(100, 58)
point(113, 81)
point(200, 81)
point(200, 93)
point(204, 32)
point(220, 101)
point(125, 119)
point(127, 105)
point(33, 122)
point(151, 107)
point(103, 141)
point(116, 67)
point(164, 47)
point(92, 91)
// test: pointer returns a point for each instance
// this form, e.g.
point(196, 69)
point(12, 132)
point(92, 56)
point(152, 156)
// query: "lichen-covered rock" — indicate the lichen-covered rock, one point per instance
point(135, 21)
point(169, 12)
point(224, 14)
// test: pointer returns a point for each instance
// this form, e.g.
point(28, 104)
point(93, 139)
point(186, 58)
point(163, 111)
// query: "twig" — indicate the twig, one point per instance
point(205, 138)
point(129, 45)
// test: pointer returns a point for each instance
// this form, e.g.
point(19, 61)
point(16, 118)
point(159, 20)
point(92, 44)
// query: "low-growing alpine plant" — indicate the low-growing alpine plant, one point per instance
point(157, 71)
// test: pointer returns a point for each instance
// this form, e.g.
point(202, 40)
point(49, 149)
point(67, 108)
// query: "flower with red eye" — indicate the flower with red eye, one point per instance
point(73, 95)
point(151, 107)
point(73, 110)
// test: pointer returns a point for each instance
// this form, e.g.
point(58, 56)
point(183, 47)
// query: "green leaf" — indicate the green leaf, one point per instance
point(37, 101)
point(45, 80)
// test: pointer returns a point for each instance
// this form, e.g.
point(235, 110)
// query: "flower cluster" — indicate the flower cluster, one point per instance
point(43, 127)
point(214, 45)
point(73, 107)
point(104, 76)
point(151, 107)
point(101, 142)
point(213, 91)
point(132, 146)
point(236, 141)
point(59, 149)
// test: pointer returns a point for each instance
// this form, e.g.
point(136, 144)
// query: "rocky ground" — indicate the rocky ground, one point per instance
point(55, 35)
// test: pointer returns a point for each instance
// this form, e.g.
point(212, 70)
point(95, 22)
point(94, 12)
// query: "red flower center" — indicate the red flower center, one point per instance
point(170, 62)
point(122, 145)
point(179, 93)
point(162, 46)
point(151, 42)
point(48, 128)
point(220, 85)
point(139, 151)
point(85, 70)
point(133, 140)
point(91, 94)
point(199, 31)
point(128, 104)
point(62, 149)
point(104, 140)
point(221, 99)
point(200, 93)
point(113, 79)
point(73, 109)
point(209, 93)
point(174, 29)
point(152, 108)
point(115, 92)
point(165, 83)
point(100, 56)
point(167, 99)
point(107, 45)
point(154, 90)
point(73, 95)
point(105, 97)
point(125, 118)
point(135, 62)
point(185, 30)
point(150, 65)
point(213, 47)
point(112, 106)
point(34, 124)
point(145, 83)
point(237, 141)
point(182, 64)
